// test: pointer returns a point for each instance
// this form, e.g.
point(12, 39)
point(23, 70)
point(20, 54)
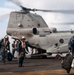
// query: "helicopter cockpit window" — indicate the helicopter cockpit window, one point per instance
point(61, 41)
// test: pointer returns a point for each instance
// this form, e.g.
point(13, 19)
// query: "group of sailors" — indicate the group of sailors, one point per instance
point(20, 46)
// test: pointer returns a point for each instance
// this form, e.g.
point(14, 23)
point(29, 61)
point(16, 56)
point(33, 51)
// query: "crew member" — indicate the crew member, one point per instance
point(5, 46)
point(21, 47)
point(71, 45)
point(13, 48)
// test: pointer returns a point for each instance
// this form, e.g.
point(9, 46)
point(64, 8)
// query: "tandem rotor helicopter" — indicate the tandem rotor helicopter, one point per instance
point(47, 40)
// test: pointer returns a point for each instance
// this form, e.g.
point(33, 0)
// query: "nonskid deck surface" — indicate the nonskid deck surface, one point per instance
point(34, 67)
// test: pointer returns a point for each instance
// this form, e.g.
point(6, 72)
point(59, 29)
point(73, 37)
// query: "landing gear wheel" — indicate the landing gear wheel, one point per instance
point(58, 57)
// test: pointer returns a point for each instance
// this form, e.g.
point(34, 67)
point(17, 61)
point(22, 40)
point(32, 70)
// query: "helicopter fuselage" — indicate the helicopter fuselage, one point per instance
point(36, 31)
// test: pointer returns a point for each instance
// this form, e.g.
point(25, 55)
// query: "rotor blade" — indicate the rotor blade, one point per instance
point(20, 5)
point(17, 2)
point(54, 11)
point(66, 23)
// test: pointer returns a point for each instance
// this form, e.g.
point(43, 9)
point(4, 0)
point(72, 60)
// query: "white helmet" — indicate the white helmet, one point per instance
point(23, 37)
point(6, 36)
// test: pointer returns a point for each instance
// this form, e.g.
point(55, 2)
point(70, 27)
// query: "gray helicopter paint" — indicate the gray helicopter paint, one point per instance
point(50, 40)
point(22, 24)
point(27, 20)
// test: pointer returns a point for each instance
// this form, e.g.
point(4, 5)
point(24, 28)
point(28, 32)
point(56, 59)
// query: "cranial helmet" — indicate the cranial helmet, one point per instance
point(6, 36)
point(23, 37)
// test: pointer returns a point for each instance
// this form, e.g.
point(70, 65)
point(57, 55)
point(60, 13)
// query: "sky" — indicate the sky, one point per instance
point(6, 7)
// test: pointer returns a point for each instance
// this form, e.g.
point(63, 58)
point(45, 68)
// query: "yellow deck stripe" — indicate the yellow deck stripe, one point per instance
point(45, 72)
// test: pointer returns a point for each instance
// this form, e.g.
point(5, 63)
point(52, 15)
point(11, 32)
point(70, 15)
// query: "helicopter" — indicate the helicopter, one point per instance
point(47, 41)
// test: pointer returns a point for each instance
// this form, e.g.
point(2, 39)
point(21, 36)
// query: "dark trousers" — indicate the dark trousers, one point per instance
point(20, 60)
point(4, 55)
point(13, 51)
point(73, 53)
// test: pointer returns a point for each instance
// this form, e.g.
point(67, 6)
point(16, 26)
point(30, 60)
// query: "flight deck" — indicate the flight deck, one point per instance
point(49, 66)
